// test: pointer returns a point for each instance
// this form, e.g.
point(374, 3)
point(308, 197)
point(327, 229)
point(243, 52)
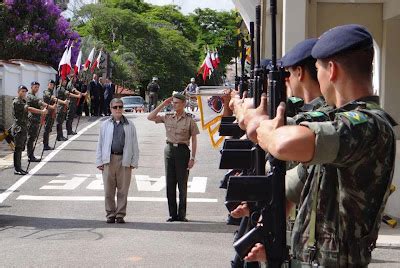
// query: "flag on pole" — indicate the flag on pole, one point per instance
point(64, 67)
point(77, 67)
point(89, 59)
point(96, 63)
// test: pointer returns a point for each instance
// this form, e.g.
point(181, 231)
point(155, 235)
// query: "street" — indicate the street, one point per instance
point(54, 216)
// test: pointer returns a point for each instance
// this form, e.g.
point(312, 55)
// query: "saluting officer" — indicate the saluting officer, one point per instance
point(180, 128)
point(20, 127)
point(34, 107)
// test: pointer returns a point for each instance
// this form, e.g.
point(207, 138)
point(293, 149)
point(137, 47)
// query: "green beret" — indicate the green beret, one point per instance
point(179, 96)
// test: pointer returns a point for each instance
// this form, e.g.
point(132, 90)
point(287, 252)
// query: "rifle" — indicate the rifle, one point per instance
point(243, 86)
point(268, 192)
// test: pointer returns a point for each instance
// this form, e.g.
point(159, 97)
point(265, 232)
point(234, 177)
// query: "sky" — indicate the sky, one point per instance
point(190, 5)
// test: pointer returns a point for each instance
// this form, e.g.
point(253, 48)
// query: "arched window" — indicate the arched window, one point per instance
point(376, 74)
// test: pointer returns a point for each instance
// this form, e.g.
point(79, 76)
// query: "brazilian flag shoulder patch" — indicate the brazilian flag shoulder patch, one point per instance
point(355, 117)
point(315, 114)
point(295, 99)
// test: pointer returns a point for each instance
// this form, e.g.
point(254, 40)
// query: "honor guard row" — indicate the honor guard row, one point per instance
point(30, 113)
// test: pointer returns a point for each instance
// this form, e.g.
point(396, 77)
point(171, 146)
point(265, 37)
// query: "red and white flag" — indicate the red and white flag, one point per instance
point(89, 60)
point(64, 67)
point(96, 63)
point(77, 67)
point(213, 60)
point(217, 59)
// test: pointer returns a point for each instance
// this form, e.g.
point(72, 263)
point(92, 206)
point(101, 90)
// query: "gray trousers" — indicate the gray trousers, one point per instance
point(116, 178)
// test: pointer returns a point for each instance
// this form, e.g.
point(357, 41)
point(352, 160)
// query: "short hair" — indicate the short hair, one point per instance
point(309, 65)
point(116, 100)
point(357, 63)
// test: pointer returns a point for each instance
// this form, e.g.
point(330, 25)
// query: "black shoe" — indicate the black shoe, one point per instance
point(33, 159)
point(20, 172)
point(120, 220)
point(171, 219)
point(111, 220)
point(47, 148)
point(183, 219)
point(71, 133)
point(64, 138)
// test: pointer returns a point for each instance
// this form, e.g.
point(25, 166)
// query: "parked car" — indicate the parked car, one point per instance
point(133, 103)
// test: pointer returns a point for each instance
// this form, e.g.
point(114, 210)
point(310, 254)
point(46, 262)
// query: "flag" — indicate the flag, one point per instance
point(96, 63)
point(64, 67)
point(89, 59)
point(77, 67)
point(217, 59)
point(213, 60)
point(211, 110)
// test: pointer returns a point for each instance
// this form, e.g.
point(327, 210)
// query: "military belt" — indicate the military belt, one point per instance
point(176, 144)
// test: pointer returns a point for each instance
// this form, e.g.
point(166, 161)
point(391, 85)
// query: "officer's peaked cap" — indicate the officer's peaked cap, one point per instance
point(298, 53)
point(342, 39)
point(179, 96)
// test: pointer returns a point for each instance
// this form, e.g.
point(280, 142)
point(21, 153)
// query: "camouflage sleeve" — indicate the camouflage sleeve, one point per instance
point(29, 100)
point(294, 183)
point(344, 140)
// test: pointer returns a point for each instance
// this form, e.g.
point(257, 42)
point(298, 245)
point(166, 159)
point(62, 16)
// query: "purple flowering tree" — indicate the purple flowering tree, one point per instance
point(35, 30)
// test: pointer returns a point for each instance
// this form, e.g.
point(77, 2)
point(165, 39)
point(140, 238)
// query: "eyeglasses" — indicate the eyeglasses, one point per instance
point(117, 107)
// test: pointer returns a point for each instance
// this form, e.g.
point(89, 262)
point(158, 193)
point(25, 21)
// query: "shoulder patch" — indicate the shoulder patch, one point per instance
point(295, 99)
point(355, 117)
point(315, 114)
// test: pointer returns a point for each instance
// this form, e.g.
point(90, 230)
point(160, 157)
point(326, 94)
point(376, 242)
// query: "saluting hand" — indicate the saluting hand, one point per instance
point(167, 101)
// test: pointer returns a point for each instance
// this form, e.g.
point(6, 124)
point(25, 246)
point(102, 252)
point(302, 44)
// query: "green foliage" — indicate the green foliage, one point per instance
point(146, 41)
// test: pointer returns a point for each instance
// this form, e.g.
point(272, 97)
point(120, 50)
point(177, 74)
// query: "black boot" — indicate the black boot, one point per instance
point(46, 146)
point(17, 164)
point(68, 125)
point(60, 136)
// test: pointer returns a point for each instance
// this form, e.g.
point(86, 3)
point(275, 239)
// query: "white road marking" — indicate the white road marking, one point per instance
point(101, 198)
point(71, 184)
point(4, 195)
point(197, 185)
point(146, 184)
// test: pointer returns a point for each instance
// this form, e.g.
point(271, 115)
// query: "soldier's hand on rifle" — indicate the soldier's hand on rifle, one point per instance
point(257, 253)
point(241, 211)
point(66, 102)
point(268, 126)
point(253, 118)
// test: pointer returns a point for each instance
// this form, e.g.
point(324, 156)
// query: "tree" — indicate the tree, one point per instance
point(35, 30)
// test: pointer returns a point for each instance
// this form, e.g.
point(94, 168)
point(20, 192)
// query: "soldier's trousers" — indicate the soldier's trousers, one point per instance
point(70, 118)
point(60, 121)
point(33, 129)
point(153, 98)
point(47, 129)
point(20, 141)
point(176, 163)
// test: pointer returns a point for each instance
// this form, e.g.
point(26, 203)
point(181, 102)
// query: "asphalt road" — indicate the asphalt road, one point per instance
point(54, 217)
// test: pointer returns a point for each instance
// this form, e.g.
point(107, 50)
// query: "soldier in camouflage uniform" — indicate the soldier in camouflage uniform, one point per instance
point(34, 107)
point(19, 128)
point(62, 95)
point(50, 99)
point(71, 113)
point(351, 157)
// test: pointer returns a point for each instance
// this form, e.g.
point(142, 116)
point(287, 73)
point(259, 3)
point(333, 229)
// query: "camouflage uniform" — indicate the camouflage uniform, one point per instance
point(349, 178)
point(33, 122)
point(71, 112)
point(47, 98)
point(61, 94)
point(19, 129)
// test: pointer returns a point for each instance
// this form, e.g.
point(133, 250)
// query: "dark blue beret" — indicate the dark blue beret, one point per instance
point(298, 53)
point(342, 39)
point(35, 83)
point(51, 81)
